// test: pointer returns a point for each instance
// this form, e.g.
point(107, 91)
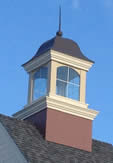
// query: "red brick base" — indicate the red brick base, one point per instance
point(63, 128)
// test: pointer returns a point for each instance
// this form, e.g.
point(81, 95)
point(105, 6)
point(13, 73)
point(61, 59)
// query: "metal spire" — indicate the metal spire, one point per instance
point(59, 33)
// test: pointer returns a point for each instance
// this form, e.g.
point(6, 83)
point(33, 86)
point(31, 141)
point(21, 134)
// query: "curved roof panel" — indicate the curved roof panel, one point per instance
point(62, 45)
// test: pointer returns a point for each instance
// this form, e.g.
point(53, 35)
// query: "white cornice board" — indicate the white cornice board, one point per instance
point(57, 103)
point(58, 57)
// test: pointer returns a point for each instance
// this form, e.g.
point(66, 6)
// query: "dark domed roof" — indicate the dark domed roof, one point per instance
point(62, 45)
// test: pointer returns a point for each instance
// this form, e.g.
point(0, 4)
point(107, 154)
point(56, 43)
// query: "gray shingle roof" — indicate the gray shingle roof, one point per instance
point(36, 149)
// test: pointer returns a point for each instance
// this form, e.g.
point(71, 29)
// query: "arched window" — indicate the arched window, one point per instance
point(40, 83)
point(68, 83)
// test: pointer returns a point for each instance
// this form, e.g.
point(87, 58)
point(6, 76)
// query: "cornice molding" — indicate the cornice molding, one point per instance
point(71, 107)
point(58, 57)
point(57, 103)
point(37, 62)
point(28, 110)
point(70, 60)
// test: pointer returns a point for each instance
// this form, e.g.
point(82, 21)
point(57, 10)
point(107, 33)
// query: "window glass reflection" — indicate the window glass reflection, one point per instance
point(61, 88)
point(68, 83)
point(73, 92)
point(73, 76)
point(62, 73)
point(40, 83)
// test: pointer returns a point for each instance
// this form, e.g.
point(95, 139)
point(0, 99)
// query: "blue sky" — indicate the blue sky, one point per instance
point(26, 24)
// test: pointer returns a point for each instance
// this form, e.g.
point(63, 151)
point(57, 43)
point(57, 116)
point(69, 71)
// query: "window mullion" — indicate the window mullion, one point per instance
point(71, 88)
point(67, 81)
point(62, 80)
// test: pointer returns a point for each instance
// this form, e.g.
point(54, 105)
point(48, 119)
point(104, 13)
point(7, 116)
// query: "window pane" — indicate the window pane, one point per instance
point(61, 88)
point(73, 92)
point(62, 73)
point(40, 83)
point(74, 76)
point(68, 83)
point(37, 75)
point(43, 72)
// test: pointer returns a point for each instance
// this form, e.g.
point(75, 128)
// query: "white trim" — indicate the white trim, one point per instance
point(37, 62)
point(66, 100)
point(70, 60)
point(57, 103)
point(71, 109)
point(58, 57)
point(30, 109)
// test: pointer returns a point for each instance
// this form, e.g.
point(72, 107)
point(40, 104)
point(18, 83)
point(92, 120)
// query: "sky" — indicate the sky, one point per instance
point(26, 24)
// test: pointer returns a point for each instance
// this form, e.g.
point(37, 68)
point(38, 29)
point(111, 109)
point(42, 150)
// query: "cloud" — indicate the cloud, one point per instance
point(76, 4)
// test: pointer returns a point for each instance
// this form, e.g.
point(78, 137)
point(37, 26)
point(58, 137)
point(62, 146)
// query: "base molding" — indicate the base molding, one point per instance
point(57, 103)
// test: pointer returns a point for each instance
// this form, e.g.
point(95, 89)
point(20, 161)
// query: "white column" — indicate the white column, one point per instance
point(82, 86)
point(30, 88)
point(52, 77)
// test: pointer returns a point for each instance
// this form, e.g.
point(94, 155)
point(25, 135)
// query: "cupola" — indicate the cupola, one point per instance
point(57, 91)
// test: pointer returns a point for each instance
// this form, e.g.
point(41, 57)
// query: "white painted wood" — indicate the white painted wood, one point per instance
point(59, 103)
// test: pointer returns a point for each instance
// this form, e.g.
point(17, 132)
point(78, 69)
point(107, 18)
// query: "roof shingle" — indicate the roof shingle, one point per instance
point(35, 148)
